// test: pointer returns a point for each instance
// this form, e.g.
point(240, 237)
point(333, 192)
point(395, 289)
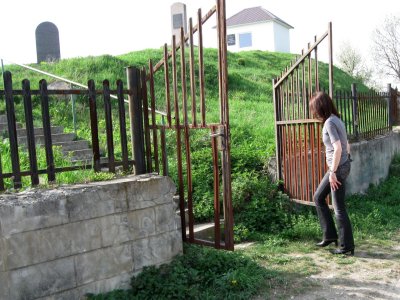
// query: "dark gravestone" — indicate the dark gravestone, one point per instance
point(47, 42)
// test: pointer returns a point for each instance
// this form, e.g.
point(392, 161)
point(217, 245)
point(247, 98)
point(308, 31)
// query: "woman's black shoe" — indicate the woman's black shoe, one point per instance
point(326, 243)
point(343, 251)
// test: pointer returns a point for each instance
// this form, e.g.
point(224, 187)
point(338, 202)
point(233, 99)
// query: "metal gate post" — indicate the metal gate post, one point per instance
point(136, 119)
point(278, 136)
point(224, 119)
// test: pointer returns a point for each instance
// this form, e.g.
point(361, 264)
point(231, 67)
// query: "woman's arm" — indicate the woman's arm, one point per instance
point(337, 152)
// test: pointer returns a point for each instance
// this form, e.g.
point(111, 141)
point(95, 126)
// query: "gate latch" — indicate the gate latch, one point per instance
point(219, 134)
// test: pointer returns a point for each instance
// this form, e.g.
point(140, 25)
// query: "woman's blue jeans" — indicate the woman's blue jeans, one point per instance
point(324, 214)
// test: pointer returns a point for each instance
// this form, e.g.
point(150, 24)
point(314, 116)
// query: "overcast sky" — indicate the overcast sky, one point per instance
point(95, 27)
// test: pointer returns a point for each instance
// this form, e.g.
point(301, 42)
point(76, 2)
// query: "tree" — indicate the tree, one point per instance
point(386, 50)
point(351, 62)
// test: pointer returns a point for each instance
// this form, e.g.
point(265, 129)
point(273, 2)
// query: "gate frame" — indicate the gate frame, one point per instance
point(219, 132)
point(286, 97)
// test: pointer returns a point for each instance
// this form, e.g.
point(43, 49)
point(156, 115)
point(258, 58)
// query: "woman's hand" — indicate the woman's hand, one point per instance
point(334, 182)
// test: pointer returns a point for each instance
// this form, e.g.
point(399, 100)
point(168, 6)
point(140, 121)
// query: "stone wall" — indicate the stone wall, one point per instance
point(69, 241)
point(371, 162)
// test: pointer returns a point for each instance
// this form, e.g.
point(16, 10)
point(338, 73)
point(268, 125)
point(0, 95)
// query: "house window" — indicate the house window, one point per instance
point(231, 39)
point(245, 40)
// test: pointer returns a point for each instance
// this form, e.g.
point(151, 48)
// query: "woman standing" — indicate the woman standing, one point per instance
point(337, 151)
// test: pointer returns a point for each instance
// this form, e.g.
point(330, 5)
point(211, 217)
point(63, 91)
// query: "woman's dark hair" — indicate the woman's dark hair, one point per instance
point(322, 106)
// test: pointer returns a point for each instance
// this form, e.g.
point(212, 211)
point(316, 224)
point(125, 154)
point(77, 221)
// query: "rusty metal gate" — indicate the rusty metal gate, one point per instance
point(182, 73)
point(299, 150)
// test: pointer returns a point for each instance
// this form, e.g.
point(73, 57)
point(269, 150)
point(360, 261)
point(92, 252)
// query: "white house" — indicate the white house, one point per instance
point(257, 29)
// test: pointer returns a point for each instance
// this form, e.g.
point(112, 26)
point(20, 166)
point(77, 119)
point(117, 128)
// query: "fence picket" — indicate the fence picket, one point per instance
point(44, 97)
point(122, 125)
point(30, 132)
point(109, 127)
point(12, 129)
point(94, 125)
point(146, 124)
point(153, 116)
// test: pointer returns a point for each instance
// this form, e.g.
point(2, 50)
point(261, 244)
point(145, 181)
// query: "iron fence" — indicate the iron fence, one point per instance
point(29, 136)
point(367, 114)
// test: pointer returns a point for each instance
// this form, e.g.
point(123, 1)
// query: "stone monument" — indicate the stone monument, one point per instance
point(47, 42)
point(178, 20)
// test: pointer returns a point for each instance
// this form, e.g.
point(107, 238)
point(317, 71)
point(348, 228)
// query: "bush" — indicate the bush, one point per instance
point(201, 273)
point(267, 215)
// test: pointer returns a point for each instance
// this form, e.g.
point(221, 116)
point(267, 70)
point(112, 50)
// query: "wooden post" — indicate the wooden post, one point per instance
point(136, 119)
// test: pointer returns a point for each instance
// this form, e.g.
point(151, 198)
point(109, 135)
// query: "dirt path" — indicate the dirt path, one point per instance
point(373, 273)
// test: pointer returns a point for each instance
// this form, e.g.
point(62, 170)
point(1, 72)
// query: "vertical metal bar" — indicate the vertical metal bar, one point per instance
point(51, 175)
point(192, 75)
point(319, 153)
point(109, 127)
point(310, 87)
point(290, 173)
point(390, 121)
point(183, 78)
point(355, 110)
point(30, 135)
point(278, 137)
point(153, 116)
point(330, 59)
point(316, 67)
point(226, 157)
point(164, 158)
point(178, 140)
point(304, 90)
point(149, 166)
point(298, 97)
point(217, 229)
point(301, 163)
point(94, 125)
point(187, 139)
point(296, 176)
point(361, 114)
point(12, 129)
point(338, 105)
point(136, 116)
point(122, 125)
point(167, 89)
point(312, 147)
point(284, 156)
point(306, 159)
point(201, 70)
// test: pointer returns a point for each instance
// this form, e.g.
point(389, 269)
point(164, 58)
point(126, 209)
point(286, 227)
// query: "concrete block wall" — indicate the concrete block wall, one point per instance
point(66, 242)
point(371, 162)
